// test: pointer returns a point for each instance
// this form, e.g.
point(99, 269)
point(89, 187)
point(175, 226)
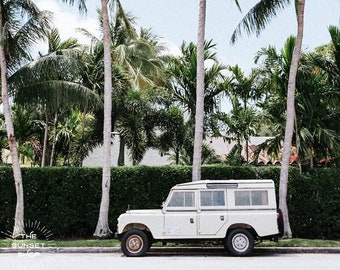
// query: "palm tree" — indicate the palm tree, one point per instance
point(182, 75)
point(273, 72)
point(244, 88)
point(52, 83)
point(138, 56)
point(315, 135)
point(199, 112)
point(55, 45)
point(19, 228)
point(16, 38)
point(27, 132)
point(255, 21)
point(102, 228)
point(173, 131)
point(240, 123)
point(289, 130)
point(328, 59)
point(74, 127)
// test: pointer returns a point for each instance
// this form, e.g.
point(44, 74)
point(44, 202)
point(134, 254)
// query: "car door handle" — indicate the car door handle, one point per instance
point(191, 220)
point(222, 218)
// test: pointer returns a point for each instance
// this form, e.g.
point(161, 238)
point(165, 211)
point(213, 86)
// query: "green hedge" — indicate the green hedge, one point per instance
point(66, 200)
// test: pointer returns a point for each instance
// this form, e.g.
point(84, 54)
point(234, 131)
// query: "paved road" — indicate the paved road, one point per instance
point(103, 261)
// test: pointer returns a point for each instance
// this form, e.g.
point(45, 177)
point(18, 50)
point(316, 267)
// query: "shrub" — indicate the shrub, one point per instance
point(66, 200)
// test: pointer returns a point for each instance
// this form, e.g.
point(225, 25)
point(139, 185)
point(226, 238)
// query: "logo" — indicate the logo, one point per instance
point(35, 231)
point(27, 247)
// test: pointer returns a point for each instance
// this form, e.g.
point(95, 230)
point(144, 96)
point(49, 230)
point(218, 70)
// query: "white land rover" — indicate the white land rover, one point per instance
point(232, 212)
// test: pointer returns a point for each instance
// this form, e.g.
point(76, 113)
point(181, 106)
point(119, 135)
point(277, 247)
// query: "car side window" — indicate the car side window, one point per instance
point(255, 197)
point(182, 199)
point(212, 198)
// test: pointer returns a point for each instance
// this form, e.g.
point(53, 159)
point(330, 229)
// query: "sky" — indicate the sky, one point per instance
point(176, 21)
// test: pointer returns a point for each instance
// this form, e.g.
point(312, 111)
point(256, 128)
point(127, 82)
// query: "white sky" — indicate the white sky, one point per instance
point(176, 21)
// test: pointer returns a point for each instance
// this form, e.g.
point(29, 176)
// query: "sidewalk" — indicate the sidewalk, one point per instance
point(172, 250)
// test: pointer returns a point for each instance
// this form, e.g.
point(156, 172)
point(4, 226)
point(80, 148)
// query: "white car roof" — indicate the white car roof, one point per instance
point(231, 183)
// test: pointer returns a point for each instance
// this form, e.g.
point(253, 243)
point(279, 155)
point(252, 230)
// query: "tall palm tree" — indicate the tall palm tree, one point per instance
point(16, 38)
point(255, 21)
point(289, 130)
point(102, 228)
point(199, 112)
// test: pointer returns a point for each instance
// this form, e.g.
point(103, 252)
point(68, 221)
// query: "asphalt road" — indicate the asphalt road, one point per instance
point(160, 261)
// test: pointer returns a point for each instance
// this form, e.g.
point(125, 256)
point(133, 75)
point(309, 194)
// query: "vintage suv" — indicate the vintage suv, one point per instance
point(234, 213)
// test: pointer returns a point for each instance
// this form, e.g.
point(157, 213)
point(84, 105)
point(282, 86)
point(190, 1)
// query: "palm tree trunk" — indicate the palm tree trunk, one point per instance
point(290, 120)
point(297, 139)
point(177, 153)
point(199, 116)
point(82, 136)
point(121, 155)
point(102, 229)
point(43, 158)
point(54, 140)
point(19, 228)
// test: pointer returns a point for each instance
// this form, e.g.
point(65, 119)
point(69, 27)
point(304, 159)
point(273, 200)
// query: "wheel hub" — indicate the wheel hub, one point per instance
point(135, 244)
point(240, 242)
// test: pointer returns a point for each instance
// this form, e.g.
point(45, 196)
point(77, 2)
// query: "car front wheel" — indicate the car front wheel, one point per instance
point(134, 243)
point(239, 242)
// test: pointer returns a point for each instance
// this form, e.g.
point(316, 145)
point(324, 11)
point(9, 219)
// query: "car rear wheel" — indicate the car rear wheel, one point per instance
point(239, 242)
point(135, 243)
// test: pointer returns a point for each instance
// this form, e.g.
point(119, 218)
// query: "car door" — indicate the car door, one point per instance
point(180, 215)
point(212, 213)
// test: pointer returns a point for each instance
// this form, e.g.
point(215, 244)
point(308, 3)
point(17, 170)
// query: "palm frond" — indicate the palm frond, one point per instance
point(57, 94)
point(81, 5)
point(258, 17)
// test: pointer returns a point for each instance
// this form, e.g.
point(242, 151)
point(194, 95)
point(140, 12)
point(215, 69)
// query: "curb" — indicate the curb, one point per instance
point(172, 250)
point(60, 250)
point(284, 250)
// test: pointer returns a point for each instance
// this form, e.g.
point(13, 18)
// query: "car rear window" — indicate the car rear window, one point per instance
point(254, 197)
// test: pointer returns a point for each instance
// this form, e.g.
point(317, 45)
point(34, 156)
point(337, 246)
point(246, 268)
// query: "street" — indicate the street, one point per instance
point(102, 261)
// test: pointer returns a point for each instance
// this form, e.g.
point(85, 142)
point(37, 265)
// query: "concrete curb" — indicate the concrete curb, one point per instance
point(60, 250)
point(171, 250)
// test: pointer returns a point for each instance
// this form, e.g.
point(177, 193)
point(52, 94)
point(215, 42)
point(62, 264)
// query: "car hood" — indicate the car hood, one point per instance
point(144, 212)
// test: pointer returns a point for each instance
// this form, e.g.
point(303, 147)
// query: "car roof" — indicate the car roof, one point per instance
point(230, 183)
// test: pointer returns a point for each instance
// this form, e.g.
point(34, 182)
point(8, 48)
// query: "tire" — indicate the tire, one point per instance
point(135, 243)
point(280, 223)
point(239, 242)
